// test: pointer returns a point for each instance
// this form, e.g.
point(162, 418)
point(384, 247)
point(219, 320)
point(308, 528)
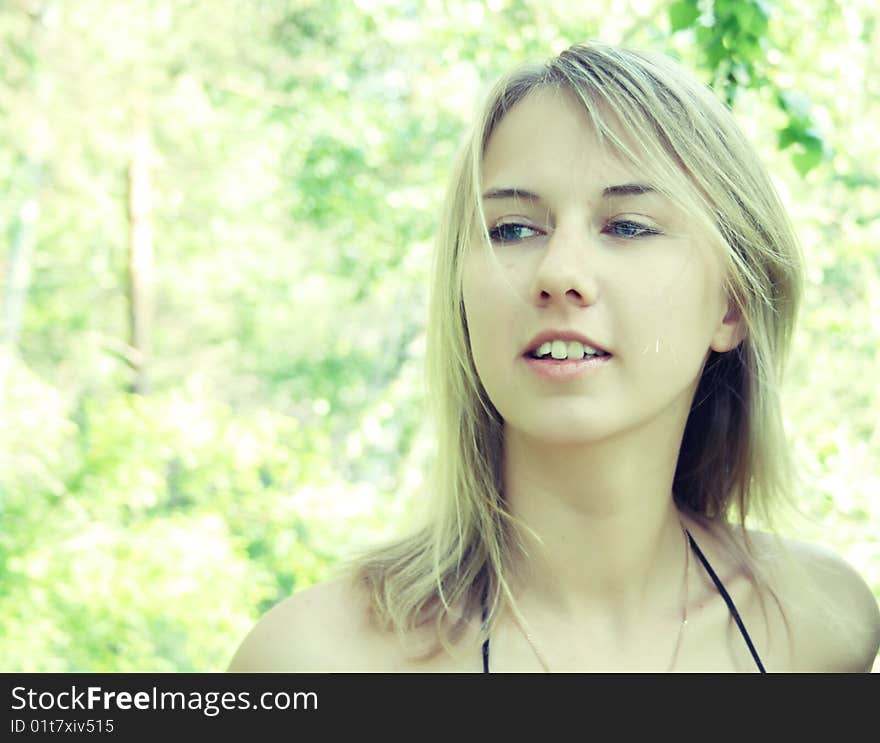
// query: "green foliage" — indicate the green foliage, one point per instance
point(800, 131)
point(170, 497)
point(734, 40)
point(682, 14)
point(300, 152)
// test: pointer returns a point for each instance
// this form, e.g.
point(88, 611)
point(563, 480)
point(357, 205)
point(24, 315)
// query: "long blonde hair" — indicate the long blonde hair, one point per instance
point(733, 459)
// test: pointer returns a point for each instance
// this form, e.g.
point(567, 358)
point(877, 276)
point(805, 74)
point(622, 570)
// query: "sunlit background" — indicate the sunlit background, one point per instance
point(217, 219)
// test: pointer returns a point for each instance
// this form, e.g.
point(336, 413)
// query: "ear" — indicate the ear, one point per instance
point(730, 331)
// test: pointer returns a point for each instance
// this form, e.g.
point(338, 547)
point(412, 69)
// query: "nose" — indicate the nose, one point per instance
point(567, 271)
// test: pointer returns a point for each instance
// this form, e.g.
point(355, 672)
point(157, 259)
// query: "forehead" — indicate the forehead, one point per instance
point(549, 134)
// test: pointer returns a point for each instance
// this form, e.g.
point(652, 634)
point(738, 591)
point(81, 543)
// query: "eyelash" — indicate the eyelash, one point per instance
point(494, 233)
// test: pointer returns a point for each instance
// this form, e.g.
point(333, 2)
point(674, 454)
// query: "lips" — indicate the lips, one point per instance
point(562, 371)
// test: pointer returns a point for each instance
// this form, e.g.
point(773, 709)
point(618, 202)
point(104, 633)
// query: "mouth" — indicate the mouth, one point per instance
point(548, 357)
point(561, 370)
point(565, 345)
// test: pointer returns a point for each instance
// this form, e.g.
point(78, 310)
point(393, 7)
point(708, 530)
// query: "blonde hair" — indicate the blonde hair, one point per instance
point(733, 458)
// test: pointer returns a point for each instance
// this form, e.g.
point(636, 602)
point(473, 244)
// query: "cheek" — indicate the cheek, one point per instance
point(486, 293)
point(493, 328)
point(667, 316)
point(471, 290)
point(478, 296)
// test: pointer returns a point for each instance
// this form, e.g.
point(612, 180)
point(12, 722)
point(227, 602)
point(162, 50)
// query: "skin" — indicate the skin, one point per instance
point(589, 463)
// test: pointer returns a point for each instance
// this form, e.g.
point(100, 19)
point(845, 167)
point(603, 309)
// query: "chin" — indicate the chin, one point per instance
point(563, 431)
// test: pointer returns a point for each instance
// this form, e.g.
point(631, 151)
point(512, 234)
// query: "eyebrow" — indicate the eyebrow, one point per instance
point(625, 189)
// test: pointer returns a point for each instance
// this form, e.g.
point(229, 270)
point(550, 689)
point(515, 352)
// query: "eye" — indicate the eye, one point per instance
point(510, 232)
point(626, 228)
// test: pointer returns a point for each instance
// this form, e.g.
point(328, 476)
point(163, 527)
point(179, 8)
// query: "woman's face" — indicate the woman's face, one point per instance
point(627, 270)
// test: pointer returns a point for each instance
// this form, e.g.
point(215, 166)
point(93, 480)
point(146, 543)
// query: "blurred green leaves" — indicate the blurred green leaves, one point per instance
point(300, 152)
point(800, 131)
point(683, 14)
point(734, 39)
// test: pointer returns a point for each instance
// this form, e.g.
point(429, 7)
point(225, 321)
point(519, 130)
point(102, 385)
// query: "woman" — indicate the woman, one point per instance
point(615, 288)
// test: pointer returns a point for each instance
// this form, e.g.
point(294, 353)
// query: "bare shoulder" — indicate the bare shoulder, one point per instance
point(323, 628)
point(834, 615)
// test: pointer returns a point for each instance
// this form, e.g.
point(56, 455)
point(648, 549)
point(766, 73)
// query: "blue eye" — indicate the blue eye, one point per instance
point(629, 229)
point(508, 232)
point(511, 231)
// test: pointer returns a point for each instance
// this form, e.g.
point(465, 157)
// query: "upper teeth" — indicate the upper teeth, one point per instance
point(566, 350)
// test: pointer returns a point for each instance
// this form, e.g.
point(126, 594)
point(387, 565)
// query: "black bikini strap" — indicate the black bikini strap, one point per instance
point(715, 579)
point(728, 600)
point(486, 642)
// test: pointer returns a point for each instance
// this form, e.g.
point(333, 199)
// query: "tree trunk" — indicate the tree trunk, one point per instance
point(22, 235)
point(140, 263)
point(21, 248)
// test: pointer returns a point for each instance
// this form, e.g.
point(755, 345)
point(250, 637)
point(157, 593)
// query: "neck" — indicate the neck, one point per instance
point(611, 543)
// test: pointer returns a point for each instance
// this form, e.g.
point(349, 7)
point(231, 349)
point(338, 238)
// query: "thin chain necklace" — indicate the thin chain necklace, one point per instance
point(684, 617)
